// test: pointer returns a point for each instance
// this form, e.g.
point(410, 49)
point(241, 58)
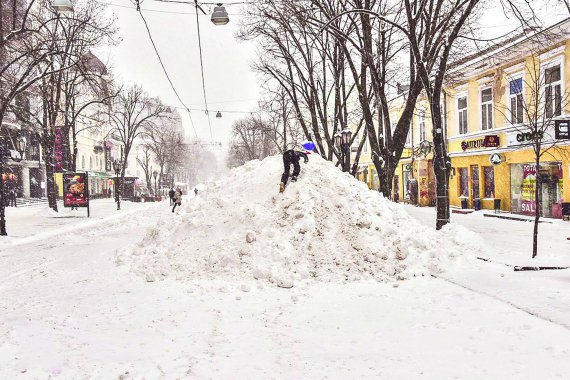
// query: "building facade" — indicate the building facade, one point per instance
point(502, 107)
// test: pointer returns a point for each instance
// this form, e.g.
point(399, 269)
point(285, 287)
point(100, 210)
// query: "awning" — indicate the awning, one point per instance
point(101, 175)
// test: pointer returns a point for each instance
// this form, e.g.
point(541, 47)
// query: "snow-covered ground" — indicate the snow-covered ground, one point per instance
point(87, 301)
point(510, 241)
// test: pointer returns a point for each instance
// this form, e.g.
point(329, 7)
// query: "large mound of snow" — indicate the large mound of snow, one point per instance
point(325, 226)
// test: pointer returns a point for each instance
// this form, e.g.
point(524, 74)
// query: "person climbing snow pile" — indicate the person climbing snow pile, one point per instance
point(292, 157)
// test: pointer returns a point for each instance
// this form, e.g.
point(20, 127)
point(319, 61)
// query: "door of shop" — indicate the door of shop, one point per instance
point(475, 195)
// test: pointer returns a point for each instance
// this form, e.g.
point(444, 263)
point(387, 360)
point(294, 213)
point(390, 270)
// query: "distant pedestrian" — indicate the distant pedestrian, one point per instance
point(109, 192)
point(177, 198)
point(13, 197)
point(196, 191)
point(171, 194)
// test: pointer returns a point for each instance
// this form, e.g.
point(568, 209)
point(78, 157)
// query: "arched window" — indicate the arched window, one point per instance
point(83, 162)
point(90, 163)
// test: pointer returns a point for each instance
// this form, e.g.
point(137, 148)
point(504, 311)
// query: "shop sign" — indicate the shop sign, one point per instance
point(75, 190)
point(495, 159)
point(108, 161)
point(489, 141)
point(562, 129)
point(530, 137)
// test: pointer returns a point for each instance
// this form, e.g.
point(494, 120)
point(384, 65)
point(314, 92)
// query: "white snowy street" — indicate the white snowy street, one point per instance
point(69, 311)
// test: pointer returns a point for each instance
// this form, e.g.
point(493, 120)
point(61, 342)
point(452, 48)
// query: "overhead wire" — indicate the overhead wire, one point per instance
point(164, 69)
point(202, 71)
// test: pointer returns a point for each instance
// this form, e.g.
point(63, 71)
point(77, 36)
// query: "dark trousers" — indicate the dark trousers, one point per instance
point(13, 202)
point(171, 200)
point(287, 162)
point(175, 204)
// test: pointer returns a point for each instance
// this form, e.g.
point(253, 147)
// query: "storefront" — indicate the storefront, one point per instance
point(475, 178)
point(507, 174)
point(523, 189)
point(416, 181)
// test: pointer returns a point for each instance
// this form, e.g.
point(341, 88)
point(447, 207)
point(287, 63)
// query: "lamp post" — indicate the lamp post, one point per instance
point(117, 168)
point(342, 142)
point(346, 137)
point(338, 144)
point(16, 155)
point(155, 174)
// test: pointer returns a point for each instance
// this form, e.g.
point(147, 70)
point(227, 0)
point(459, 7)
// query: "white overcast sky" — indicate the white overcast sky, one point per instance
point(230, 82)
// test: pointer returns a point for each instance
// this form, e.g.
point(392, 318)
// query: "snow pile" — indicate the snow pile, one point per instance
point(327, 226)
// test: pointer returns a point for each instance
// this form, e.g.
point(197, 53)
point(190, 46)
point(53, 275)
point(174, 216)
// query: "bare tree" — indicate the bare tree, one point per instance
point(145, 162)
point(166, 143)
point(536, 101)
point(251, 139)
point(133, 112)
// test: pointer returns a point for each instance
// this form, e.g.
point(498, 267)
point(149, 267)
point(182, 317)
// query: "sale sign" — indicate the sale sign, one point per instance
point(528, 206)
point(75, 190)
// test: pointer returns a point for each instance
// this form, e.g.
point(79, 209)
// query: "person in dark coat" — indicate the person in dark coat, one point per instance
point(177, 198)
point(13, 197)
point(171, 194)
point(291, 157)
point(195, 191)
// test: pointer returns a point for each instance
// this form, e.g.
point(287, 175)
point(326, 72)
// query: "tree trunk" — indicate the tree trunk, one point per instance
point(441, 165)
point(537, 208)
point(50, 176)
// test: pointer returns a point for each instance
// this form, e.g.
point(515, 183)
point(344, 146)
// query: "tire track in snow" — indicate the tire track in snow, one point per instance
point(506, 302)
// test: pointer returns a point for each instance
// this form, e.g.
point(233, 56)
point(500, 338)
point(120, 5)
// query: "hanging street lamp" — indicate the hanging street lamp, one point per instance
point(63, 6)
point(220, 15)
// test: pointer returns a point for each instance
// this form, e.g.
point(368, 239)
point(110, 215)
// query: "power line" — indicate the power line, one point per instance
point(167, 12)
point(202, 69)
point(164, 69)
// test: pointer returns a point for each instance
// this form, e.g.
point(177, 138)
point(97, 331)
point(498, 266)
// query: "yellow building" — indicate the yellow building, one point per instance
point(414, 180)
point(488, 110)
point(486, 116)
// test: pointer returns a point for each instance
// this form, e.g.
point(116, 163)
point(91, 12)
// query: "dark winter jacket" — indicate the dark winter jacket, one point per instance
point(171, 193)
point(293, 155)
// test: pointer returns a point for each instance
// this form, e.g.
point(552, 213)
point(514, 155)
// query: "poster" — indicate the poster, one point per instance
point(75, 190)
point(528, 205)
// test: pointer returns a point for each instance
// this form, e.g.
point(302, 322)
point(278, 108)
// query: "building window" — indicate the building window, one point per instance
point(487, 109)
point(409, 139)
point(90, 163)
point(516, 101)
point(462, 114)
point(365, 147)
point(552, 91)
point(422, 125)
point(463, 182)
point(489, 173)
point(83, 162)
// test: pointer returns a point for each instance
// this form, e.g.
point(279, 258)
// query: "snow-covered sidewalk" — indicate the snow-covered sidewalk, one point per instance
point(29, 224)
point(510, 241)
